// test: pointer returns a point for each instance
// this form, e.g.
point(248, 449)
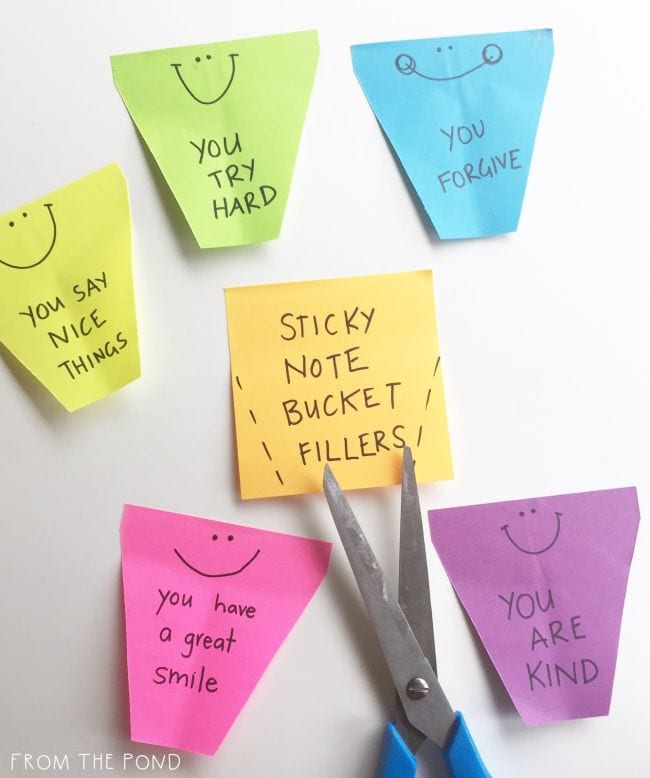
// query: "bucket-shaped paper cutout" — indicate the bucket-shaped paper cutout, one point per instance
point(67, 309)
point(543, 581)
point(223, 121)
point(461, 114)
point(208, 605)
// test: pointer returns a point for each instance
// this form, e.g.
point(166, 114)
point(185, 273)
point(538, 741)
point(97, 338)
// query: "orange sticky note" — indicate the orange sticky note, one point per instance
point(343, 370)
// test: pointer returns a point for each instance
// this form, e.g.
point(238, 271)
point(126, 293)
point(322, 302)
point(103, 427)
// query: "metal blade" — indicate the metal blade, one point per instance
point(414, 597)
point(413, 593)
point(410, 735)
point(431, 713)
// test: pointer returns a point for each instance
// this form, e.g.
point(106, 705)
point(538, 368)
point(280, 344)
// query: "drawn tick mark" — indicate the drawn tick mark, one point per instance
point(427, 401)
point(264, 446)
point(491, 54)
point(177, 67)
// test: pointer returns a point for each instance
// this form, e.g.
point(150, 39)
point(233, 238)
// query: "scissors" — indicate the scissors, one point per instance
point(404, 627)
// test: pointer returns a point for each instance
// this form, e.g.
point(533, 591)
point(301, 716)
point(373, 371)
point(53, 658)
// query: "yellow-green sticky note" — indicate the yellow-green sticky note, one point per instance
point(344, 371)
point(67, 310)
point(223, 121)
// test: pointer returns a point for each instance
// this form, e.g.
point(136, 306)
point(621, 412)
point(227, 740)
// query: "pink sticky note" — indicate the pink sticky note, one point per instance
point(207, 606)
point(543, 581)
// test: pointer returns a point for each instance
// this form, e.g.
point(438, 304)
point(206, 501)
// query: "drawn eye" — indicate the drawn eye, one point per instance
point(197, 59)
point(208, 56)
point(522, 514)
point(214, 537)
point(11, 224)
point(450, 47)
point(532, 510)
point(439, 49)
point(24, 215)
point(405, 64)
point(230, 537)
point(492, 54)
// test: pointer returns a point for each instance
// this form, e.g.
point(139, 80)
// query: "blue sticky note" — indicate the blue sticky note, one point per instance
point(461, 114)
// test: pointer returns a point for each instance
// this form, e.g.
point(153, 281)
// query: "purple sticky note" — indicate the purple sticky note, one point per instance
point(543, 581)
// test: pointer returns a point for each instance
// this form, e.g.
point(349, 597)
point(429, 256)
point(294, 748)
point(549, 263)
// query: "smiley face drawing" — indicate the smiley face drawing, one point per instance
point(214, 538)
point(522, 514)
point(491, 54)
point(41, 237)
point(199, 66)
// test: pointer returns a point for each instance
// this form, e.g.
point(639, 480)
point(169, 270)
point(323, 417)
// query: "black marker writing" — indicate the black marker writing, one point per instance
point(232, 178)
point(473, 172)
point(464, 134)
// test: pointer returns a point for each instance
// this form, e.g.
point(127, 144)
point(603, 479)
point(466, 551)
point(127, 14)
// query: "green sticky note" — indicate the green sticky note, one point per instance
point(223, 122)
point(67, 309)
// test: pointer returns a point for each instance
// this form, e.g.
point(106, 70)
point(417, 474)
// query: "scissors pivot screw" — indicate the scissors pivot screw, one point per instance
point(417, 688)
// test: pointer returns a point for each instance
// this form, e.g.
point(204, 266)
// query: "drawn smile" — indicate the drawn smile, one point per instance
point(506, 529)
point(45, 255)
point(216, 575)
point(491, 54)
point(177, 67)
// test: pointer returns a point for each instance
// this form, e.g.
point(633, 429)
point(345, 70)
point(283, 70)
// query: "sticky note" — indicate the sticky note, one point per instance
point(223, 121)
point(543, 581)
point(207, 604)
point(343, 370)
point(67, 310)
point(461, 114)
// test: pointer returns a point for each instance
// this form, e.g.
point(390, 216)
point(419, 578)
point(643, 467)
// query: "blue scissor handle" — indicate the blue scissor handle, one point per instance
point(396, 759)
point(462, 757)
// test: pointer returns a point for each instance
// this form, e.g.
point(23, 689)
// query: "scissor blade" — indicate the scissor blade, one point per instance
point(413, 594)
point(431, 714)
point(414, 597)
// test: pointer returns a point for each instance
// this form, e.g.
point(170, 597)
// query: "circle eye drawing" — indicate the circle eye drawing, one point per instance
point(14, 258)
point(553, 534)
point(405, 64)
point(191, 92)
point(492, 54)
point(219, 574)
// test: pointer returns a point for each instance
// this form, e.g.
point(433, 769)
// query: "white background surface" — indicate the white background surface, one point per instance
point(544, 342)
